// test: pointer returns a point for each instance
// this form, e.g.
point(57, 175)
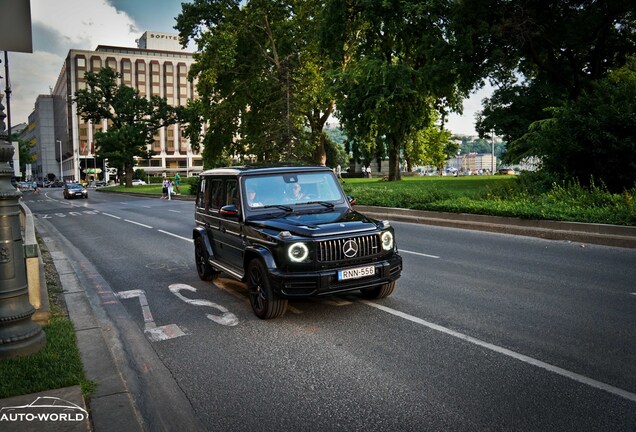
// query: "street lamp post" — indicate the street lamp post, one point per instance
point(61, 169)
point(492, 143)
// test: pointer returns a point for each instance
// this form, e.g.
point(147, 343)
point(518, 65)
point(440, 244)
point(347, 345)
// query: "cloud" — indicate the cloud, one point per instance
point(57, 27)
point(465, 124)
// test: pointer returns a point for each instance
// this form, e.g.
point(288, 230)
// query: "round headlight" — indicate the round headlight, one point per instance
point(298, 252)
point(387, 240)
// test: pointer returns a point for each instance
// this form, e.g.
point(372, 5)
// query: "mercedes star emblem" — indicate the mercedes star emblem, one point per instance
point(350, 248)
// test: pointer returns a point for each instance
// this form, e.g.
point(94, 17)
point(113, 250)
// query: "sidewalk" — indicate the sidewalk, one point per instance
point(111, 406)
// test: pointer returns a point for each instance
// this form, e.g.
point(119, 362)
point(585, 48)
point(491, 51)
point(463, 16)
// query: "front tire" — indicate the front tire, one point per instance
point(204, 269)
point(265, 303)
point(379, 292)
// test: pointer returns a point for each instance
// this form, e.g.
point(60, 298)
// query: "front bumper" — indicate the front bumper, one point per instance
point(308, 284)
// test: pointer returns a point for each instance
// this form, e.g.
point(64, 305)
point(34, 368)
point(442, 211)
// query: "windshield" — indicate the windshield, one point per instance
point(292, 190)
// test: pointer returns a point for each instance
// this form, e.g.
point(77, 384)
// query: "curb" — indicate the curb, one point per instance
point(112, 406)
point(602, 234)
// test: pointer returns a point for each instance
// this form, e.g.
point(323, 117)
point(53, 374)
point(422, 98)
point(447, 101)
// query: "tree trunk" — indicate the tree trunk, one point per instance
point(129, 174)
point(320, 155)
point(394, 159)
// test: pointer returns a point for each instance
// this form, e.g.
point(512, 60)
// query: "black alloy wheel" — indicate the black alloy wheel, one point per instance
point(204, 269)
point(265, 304)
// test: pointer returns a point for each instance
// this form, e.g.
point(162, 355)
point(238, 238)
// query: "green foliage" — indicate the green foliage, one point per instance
point(57, 365)
point(140, 174)
point(593, 136)
point(260, 78)
point(542, 55)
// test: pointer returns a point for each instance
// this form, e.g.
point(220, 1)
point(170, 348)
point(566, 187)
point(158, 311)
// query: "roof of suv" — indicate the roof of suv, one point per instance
point(254, 170)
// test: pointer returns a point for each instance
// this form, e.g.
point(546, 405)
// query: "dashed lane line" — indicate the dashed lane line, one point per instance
point(177, 236)
point(137, 223)
point(418, 253)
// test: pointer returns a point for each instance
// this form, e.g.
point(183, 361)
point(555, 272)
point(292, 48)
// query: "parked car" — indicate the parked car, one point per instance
point(138, 182)
point(75, 190)
point(506, 171)
point(289, 233)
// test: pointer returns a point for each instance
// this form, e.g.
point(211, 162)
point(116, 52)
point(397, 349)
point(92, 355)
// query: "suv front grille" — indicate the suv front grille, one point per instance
point(333, 250)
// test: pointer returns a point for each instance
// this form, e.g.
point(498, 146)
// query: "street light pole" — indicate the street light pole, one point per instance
point(61, 169)
point(492, 142)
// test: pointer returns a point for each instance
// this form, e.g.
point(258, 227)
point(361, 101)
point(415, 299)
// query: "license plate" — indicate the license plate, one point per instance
point(356, 273)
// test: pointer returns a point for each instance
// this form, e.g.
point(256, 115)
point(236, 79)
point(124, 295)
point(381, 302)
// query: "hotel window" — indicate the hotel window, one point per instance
point(140, 76)
point(126, 70)
point(182, 83)
point(96, 64)
point(80, 72)
point(154, 78)
point(111, 63)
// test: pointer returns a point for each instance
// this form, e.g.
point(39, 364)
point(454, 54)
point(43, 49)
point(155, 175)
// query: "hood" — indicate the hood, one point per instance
point(320, 224)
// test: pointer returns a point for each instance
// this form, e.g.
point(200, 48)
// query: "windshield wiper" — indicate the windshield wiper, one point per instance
point(322, 203)
point(279, 206)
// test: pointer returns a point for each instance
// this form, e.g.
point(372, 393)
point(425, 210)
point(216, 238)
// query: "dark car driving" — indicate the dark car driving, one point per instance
point(74, 190)
point(290, 232)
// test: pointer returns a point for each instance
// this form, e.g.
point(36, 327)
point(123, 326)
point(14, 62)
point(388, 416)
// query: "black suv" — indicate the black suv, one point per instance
point(289, 232)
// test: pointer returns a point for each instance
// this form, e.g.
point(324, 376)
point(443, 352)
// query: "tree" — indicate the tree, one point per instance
point(592, 138)
point(430, 146)
point(540, 54)
point(261, 79)
point(26, 157)
point(402, 72)
point(133, 120)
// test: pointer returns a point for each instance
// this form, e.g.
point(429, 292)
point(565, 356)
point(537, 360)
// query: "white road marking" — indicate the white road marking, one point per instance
point(174, 211)
point(529, 360)
point(110, 215)
point(418, 253)
point(155, 333)
point(177, 236)
point(137, 223)
point(227, 318)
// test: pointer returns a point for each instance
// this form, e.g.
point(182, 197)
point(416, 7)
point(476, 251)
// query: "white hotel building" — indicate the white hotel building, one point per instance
point(158, 66)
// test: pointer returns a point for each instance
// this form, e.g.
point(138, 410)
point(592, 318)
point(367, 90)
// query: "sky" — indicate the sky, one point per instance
point(61, 25)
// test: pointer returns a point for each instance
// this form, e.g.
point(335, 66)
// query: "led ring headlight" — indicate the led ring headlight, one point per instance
point(298, 252)
point(387, 240)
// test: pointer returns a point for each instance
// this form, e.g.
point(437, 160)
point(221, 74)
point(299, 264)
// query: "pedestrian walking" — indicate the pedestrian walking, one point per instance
point(338, 171)
point(164, 190)
point(177, 181)
point(170, 189)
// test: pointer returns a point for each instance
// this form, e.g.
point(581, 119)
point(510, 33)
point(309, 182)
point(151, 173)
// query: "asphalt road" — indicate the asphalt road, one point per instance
point(485, 331)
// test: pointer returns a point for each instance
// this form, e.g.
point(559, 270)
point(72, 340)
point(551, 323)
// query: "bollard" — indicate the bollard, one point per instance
point(19, 335)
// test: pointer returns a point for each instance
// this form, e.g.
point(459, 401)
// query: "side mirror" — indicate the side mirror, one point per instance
point(229, 210)
point(352, 200)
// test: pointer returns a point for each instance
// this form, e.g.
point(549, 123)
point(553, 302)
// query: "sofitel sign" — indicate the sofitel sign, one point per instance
point(163, 36)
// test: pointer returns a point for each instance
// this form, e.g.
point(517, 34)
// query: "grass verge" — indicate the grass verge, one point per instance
point(58, 364)
point(498, 196)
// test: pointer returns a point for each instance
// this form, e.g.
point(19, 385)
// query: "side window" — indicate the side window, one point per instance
point(202, 195)
point(231, 188)
point(216, 194)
